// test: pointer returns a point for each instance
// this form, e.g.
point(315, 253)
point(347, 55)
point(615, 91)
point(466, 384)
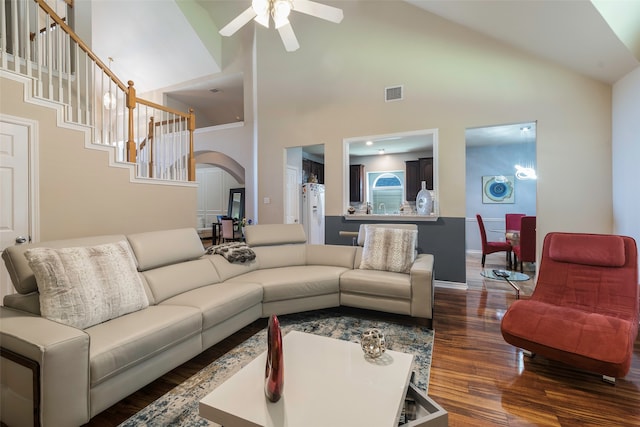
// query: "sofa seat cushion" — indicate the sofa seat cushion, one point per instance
point(220, 301)
point(285, 283)
point(131, 339)
point(570, 330)
point(375, 282)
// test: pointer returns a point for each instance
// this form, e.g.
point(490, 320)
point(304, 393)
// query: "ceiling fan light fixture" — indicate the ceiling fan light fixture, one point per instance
point(263, 19)
point(261, 11)
point(280, 22)
point(281, 10)
point(261, 7)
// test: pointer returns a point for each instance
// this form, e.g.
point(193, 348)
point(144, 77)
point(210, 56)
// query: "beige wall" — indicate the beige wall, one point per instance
point(332, 88)
point(81, 195)
point(236, 140)
point(626, 153)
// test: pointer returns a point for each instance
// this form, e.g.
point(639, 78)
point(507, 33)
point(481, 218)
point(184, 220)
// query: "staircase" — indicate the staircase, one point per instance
point(39, 48)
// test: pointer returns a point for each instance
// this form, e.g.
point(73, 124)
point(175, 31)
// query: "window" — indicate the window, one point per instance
point(386, 191)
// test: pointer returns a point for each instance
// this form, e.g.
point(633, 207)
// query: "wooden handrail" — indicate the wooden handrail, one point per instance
point(162, 107)
point(131, 100)
point(83, 46)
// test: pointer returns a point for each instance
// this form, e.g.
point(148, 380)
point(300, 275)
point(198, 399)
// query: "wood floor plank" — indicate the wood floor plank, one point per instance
point(475, 375)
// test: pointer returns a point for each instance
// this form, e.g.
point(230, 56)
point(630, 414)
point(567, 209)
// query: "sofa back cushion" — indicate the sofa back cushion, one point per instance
point(18, 267)
point(171, 280)
point(274, 234)
point(281, 255)
point(334, 255)
point(159, 248)
point(84, 286)
point(227, 270)
point(277, 245)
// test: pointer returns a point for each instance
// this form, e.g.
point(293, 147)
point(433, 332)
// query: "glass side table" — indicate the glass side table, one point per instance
point(509, 276)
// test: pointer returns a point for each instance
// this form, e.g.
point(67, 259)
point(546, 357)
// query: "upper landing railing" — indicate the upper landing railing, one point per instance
point(37, 42)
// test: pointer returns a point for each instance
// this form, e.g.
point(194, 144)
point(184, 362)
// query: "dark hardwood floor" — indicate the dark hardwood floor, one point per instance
point(475, 375)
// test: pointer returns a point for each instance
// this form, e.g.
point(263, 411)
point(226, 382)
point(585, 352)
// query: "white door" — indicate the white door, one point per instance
point(14, 192)
point(291, 199)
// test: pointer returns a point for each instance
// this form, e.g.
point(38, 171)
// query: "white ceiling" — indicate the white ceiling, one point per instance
point(570, 33)
point(144, 32)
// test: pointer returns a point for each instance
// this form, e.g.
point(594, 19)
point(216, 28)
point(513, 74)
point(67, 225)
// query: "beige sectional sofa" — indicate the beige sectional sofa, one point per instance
point(64, 375)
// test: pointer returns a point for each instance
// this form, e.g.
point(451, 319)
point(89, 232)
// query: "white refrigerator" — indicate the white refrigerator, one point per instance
point(313, 212)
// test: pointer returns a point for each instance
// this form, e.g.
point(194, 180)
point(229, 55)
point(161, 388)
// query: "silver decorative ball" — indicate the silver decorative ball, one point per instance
point(372, 343)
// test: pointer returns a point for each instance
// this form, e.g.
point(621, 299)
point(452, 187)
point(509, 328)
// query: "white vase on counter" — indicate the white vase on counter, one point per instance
point(424, 200)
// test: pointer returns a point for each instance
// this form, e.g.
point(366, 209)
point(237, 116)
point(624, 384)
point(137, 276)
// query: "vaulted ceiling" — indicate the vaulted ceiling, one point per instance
point(600, 39)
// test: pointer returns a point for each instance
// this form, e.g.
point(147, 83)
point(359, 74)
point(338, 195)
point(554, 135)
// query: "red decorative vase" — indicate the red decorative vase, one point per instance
point(274, 372)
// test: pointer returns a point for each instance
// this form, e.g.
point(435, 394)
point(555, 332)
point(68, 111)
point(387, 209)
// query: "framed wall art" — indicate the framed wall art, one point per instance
point(498, 189)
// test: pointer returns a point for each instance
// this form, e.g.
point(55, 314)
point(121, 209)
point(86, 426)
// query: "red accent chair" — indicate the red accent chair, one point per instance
point(492, 247)
point(584, 309)
point(525, 250)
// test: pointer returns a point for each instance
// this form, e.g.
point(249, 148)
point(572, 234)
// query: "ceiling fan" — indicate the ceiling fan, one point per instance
point(262, 10)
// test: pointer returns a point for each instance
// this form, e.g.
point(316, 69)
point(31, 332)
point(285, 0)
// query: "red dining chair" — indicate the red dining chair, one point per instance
point(525, 250)
point(492, 247)
point(230, 231)
point(512, 221)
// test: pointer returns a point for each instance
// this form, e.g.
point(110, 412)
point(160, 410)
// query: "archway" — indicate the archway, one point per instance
point(224, 162)
point(217, 174)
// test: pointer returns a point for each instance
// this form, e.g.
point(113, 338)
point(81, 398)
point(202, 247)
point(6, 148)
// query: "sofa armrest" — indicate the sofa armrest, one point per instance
point(61, 353)
point(422, 286)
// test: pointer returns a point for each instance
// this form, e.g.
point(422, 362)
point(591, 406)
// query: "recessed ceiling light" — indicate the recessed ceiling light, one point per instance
point(525, 128)
point(369, 142)
point(214, 90)
point(381, 151)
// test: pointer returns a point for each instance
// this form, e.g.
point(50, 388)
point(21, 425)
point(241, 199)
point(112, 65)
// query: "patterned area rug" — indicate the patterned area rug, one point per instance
point(179, 407)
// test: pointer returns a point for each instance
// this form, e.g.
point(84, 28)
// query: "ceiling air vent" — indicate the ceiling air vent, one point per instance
point(393, 93)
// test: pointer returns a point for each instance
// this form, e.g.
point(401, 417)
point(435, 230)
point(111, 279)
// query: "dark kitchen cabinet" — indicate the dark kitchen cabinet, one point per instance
point(310, 167)
point(417, 171)
point(356, 183)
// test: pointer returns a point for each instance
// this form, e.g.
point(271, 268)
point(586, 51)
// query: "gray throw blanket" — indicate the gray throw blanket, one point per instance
point(233, 252)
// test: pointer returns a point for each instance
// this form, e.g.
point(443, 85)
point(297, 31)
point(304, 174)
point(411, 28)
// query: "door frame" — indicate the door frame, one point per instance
point(33, 164)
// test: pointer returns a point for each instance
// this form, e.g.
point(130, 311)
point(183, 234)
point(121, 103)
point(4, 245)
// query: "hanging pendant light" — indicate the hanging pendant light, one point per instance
point(109, 99)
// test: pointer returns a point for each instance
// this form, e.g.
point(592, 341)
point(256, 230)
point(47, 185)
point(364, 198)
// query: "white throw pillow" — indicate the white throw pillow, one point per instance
point(84, 286)
point(389, 249)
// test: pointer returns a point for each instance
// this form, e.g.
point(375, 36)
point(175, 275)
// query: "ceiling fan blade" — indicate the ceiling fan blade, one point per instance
point(318, 10)
point(288, 38)
point(238, 22)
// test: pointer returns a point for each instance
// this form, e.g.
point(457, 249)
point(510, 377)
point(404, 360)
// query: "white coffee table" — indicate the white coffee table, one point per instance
point(327, 382)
